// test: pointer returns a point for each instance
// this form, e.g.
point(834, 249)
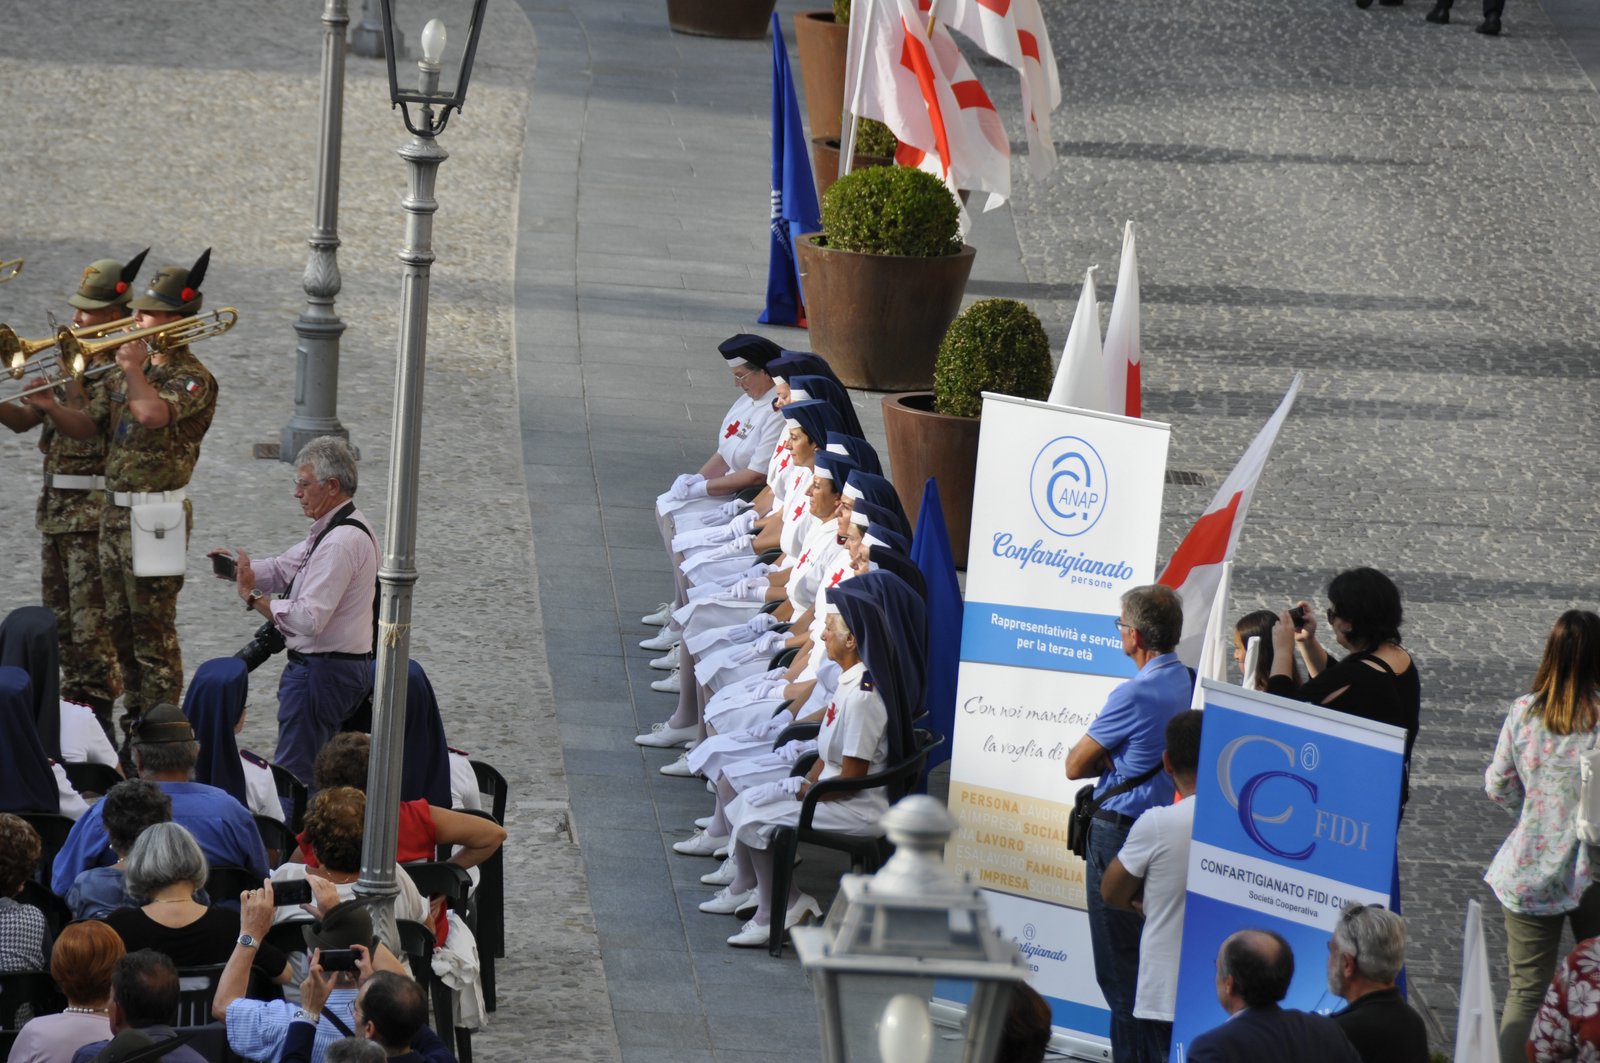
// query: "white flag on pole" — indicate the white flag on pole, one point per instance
point(1218, 640)
point(919, 85)
point(1196, 568)
point(1081, 376)
point(1122, 333)
point(1477, 1033)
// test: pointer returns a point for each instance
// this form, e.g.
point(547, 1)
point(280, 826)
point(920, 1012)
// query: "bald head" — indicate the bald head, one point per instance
point(1254, 969)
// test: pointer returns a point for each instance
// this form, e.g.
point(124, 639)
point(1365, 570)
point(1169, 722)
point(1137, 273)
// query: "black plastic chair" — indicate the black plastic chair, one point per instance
point(416, 941)
point(197, 989)
point(34, 990)
point(492, 785)
point(867, 853)
point(224, 885)
point(279, 839)
point(91, 779)
point(444, 879)
point(291, 789)
point(53, 829)
point(769, 555)
point(56, 912)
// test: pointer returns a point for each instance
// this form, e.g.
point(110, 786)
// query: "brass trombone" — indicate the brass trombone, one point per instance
point(77, 353)
point(9, 270)
point(16, 352)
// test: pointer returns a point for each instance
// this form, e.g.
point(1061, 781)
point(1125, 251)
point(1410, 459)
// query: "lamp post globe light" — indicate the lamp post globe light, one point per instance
point(890, 937)
point(432, 77)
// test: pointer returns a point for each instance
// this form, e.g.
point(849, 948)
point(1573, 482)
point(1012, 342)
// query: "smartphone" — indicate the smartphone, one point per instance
point(224, 566)
point(1299, 615)
point(338, 959)
point(291, 891)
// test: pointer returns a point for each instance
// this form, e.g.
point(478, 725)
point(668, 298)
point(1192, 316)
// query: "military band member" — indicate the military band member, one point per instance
point(153, 412)
point(70, 504)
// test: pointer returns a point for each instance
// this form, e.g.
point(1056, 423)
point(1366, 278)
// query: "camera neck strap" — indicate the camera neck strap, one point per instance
point(342, 516)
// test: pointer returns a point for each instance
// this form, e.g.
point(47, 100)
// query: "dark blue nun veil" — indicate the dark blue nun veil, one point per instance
point(427, 753)
point(28, 641)
point(886, 518)
point(860, 451)
point(28, 784)
point(825, 390)
point(890, 623)
point(815, 418)
point(213, 703)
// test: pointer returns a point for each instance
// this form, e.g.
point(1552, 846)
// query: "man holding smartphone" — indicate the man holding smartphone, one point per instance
point(319, 594)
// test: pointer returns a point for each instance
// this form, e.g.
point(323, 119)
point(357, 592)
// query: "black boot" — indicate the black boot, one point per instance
point(1440, 14)
point(1489, 27)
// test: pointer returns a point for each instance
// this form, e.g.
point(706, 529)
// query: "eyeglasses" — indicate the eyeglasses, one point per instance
point(1123, 625)
point(739, 378)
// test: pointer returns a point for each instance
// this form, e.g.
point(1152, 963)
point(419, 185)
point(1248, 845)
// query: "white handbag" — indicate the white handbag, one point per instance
point(160, 538)
point(1589, 794)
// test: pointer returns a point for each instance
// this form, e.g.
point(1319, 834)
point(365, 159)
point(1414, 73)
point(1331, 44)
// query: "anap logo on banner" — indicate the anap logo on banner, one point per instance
point(1066, 513)
point(1296, 812)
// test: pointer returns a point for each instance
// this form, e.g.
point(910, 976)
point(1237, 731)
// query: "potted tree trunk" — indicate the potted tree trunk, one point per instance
point(884, 278)
point(995, 345)
point(822, 38)
point(743, 19)
point(875, 146)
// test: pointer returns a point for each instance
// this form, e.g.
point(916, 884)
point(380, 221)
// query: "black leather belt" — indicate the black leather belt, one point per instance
point(298, 657)
point(1116, 819)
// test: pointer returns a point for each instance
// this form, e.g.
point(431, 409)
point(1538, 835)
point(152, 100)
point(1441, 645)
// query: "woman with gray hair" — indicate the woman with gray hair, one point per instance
point(163, 871)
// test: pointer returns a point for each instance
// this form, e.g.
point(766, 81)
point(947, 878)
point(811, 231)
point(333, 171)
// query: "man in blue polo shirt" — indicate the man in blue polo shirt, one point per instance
point(165, 752)
point(1123, 746)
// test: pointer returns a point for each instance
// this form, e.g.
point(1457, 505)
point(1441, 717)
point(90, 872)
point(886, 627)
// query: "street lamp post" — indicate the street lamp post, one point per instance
point(316, 371)
point(442, 75)
point(367, 40)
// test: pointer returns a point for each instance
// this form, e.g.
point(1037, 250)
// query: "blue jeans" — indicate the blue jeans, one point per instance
point(1155, 1040)
point(313, 700)
point(1114, 935)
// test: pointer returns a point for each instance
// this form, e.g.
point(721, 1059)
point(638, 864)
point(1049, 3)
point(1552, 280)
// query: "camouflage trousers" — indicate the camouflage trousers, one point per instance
point(142, 613)
point(73, 590)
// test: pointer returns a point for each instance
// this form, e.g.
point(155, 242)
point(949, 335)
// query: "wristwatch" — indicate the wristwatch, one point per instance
point(302, 1015)
point(246, 941)
point(252, 598)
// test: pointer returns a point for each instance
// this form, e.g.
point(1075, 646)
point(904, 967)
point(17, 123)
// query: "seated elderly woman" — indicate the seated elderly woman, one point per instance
point(876, 634)
point(126, 810)
point(22, 926)
point(81, 964)
point(164, 871)
point(29, 780)
point(335, 824)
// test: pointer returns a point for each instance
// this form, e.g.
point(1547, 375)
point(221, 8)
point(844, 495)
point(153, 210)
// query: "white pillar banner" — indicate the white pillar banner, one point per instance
point(1065, 518)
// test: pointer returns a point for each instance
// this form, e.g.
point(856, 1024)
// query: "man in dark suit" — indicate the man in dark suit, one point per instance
point(1254, 968)
point(1365, 955)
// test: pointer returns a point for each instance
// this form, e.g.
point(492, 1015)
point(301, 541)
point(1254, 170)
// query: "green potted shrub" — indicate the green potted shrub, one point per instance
point(884, 277)
point(875, 146)
point(740, 19)
point(822, 38)
point(996, 345)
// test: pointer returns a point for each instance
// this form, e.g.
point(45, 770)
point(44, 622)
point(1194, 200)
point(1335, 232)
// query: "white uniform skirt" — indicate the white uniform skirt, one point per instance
point(733, 709)
point(754, 825)
point(764, 767)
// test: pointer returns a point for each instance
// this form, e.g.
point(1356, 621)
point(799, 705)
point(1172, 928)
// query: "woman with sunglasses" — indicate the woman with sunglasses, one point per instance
point(1376, 679)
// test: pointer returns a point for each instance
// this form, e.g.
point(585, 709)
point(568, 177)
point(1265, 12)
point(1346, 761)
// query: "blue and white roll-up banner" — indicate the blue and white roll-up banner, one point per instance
point(1065, 518)
point(1296, 810)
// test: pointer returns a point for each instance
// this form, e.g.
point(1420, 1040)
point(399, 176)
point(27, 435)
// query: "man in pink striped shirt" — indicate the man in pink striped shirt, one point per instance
point(319, 594)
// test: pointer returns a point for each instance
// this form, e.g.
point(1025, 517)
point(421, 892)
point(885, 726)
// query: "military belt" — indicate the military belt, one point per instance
point(139, 498)
point(63, 482)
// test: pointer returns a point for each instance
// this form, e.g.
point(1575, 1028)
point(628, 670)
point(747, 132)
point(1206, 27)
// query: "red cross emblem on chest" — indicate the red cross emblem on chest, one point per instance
point(784, 464)
point(803, 558)
point(837, 576)
point(733, 430)
point(833, 711)
point(801, 508)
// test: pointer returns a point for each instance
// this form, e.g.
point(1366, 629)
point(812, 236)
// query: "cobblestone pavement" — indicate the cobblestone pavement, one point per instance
point(188, 124)
point(1408, 213)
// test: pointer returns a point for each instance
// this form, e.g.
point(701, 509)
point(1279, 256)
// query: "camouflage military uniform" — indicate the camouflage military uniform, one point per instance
point(143, 611)
point(69, 519)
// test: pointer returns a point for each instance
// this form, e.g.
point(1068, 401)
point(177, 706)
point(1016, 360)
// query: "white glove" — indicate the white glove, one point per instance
point(749, 589)
point(771, 642)
point(792, 784)
point(737, 546)
point(680, 490)
point(767, 793)
point(774, 727)
point(768, 689)
point(725, 512)
point(793, 750)
point(718, 536)
point(761, 623)
point(683, 480)
point(698, 490)
point(744, 655)
point(744, 523)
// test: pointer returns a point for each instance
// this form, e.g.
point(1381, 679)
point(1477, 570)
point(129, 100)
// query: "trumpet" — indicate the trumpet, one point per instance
point(76, 354)
point(16, 352)
point(9, 270)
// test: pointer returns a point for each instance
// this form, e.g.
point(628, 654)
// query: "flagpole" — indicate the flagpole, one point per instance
point(847, 149)
point(933, 14)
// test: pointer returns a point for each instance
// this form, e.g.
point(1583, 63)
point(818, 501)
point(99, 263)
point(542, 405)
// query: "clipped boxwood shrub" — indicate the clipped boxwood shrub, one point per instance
point(874, 138)
point(995, 345)
point(891, 210)
point(841, 12)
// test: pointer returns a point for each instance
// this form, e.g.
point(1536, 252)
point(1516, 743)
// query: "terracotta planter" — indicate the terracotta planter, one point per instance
point(822, 43)
point(923, 444)
point(743, 19)
point(825, 162)
point(878, 319)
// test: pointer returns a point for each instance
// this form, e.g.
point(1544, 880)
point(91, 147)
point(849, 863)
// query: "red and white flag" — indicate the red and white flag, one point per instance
point(1013, 31)
point(1122, 333)
point(919, 85)
point(1196, 568)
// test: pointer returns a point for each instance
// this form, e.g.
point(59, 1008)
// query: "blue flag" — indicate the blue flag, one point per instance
point(930, 551)
point(794, 194)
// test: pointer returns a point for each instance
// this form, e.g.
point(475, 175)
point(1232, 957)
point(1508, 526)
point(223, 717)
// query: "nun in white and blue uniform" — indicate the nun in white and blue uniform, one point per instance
point(878, 637)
